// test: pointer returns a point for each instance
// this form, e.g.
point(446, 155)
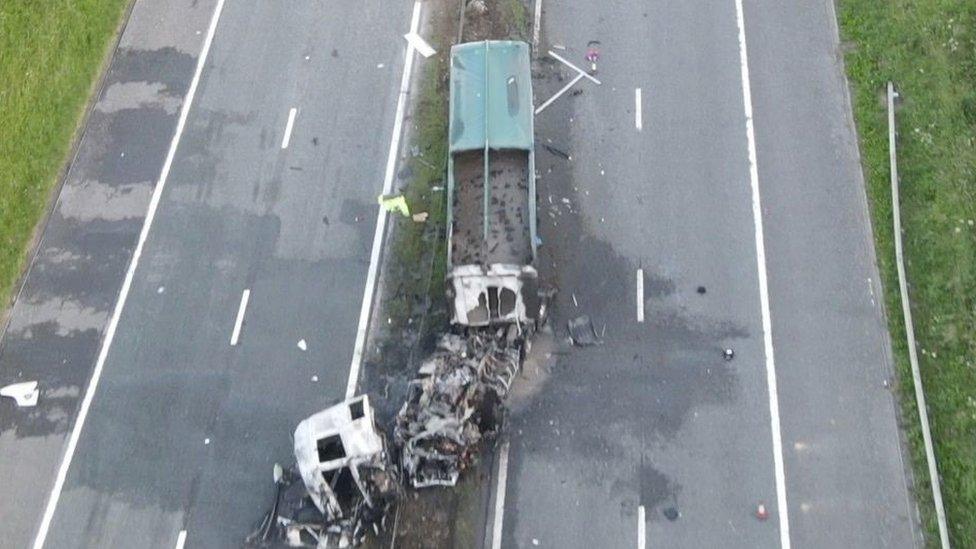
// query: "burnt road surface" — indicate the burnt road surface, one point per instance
point(272, 189)
point(654, 423)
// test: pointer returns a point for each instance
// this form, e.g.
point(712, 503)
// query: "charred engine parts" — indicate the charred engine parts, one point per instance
point(455, 401)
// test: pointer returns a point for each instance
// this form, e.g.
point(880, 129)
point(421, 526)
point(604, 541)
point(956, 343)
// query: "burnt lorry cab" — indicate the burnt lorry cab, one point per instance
point(491, 185)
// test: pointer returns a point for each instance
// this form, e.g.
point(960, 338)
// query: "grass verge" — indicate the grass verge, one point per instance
point(518, 19)
point(928, 49)
point(419, 249)
point(50, 55)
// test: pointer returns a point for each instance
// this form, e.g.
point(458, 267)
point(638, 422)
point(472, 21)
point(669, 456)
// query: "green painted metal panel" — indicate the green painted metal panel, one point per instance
point(490, 96)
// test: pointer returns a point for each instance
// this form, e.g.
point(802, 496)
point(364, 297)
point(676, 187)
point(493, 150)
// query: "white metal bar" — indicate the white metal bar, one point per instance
point(906, 308)
point(559, 93)
point(574, 67)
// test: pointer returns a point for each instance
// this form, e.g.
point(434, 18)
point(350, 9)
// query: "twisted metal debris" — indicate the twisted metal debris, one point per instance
point(455, 402)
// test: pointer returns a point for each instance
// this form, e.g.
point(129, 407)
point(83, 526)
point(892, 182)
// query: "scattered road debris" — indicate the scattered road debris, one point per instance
point(728, 354)
point(593, 53)
point(761, 512)
point(559, 93)
point(671, 513)
point(580, 74)
point(701, 290)
point(582, 332)
point(575, 68)
point(24, 393)
point(558, 152)
point(394, 204)
point(420, 217)
point(302, 345)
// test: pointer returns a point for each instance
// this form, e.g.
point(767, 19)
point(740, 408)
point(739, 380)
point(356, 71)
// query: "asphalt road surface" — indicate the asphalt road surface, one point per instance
point(655, 418)
point(185, 427)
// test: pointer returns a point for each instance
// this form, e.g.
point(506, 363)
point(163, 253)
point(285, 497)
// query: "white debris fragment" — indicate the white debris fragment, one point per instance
point(160, 289)
point(302, 345)
point(24, 393)
point(206, 441)
point(419, 44)
point(315, 379)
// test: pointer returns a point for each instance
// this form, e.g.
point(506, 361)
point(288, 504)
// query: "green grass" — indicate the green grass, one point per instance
point(419, 256)
point(928, 49)
point(50, 55)
point(518, 18)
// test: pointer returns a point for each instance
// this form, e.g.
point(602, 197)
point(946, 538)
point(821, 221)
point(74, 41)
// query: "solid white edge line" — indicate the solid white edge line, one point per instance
point(181, 539)
point(536, 25)
point(501, 486)
point(374, 257)
point(69, 452)
point(641, 527)
point(288, 127)
point(640, 295)
point(240, 317)
point(779, 471)
point(638, 114)
point(906, 309)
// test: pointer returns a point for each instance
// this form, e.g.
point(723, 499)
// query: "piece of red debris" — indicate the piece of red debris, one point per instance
point(761, 512)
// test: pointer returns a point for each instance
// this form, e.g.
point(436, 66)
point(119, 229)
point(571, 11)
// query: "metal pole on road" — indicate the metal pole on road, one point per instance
point(906, 308)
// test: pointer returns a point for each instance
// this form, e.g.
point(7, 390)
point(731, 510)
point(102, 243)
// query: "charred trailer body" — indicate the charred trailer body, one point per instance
point(491, 186)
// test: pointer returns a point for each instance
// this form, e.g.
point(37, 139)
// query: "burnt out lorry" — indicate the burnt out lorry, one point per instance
point(456, 399)
point(345, 479)
point(491, 217)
